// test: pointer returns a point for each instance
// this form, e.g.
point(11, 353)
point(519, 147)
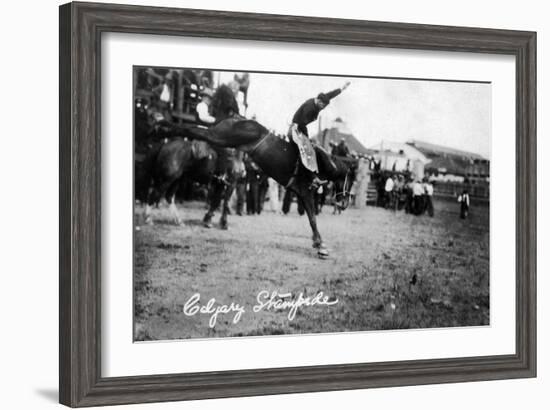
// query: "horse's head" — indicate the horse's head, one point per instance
point(346, 176)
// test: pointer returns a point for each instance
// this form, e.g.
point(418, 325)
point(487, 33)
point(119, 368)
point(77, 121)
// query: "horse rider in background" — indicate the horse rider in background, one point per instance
point(342, 149)
point(203, 108)
point(306, 114)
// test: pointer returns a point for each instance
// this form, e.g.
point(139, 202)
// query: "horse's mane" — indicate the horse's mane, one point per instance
point(224, 103)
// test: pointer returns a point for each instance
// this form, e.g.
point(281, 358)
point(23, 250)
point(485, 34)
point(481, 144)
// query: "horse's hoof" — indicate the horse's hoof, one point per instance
point(207, 224)
point(149, 221)
point(322, 252)
point(224, 227)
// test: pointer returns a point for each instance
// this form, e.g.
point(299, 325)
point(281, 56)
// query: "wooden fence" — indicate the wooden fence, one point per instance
point(453, 189)
point(442, 190)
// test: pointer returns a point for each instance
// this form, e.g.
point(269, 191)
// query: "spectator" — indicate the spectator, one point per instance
point(388, 188)
point(287, 202)
point(244, 82)
point(418, 193)
point(273, 193)
point(428, 194)
point(263, 186)
point(240, 191)
point(256, 181)
point(408, 191)
point(398, 192)
point(164, 94)
point(464, 200)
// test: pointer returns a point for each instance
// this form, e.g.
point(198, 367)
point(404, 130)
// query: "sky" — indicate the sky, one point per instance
point(453, 114)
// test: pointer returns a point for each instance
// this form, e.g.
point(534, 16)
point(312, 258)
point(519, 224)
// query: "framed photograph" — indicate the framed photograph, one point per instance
point(260, 204)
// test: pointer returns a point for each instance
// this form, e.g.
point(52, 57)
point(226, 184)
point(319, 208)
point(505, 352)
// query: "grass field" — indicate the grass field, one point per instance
point(386, 271)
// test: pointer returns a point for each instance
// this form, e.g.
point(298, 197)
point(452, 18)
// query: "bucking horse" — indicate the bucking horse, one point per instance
point(277, 158)
point(181, 158)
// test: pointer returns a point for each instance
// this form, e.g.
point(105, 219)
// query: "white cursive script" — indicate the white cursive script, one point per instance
point(276, 301)
point(193, 306)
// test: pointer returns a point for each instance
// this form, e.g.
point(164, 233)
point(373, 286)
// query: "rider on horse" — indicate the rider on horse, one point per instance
point(203, 108)
point(306, 114)
point(342, 149)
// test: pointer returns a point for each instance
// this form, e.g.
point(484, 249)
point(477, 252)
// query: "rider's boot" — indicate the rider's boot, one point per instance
point(316, 182)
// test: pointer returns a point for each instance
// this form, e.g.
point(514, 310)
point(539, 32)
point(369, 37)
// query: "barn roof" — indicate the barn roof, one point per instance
point(434, 150)
point(338, 131)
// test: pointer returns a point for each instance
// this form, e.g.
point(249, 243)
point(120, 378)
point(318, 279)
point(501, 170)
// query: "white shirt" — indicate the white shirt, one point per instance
point(165, 94)
point(429, 188)
point(464, 198)
point(204, 115)
point(389, 185)
point(417, 189)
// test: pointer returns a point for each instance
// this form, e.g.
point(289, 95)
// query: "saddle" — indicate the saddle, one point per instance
point(305, 148)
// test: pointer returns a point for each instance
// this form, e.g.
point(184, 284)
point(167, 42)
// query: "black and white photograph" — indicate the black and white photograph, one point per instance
point(288, 203)
point(275, 205)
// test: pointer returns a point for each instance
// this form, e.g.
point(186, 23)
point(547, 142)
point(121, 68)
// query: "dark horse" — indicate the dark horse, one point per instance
point(181, 158)
point(277, 158)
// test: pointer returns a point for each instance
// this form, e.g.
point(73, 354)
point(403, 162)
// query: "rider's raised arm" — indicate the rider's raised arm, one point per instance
point(331, 94)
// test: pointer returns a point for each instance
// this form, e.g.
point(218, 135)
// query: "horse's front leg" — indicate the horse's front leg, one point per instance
point(309, 206)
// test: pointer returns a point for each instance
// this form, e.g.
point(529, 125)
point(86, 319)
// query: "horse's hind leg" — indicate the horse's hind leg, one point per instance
point(171, 197)
point(153, 197)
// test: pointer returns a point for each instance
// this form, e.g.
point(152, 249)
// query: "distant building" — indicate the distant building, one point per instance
point(451, 164)
point(400, 157)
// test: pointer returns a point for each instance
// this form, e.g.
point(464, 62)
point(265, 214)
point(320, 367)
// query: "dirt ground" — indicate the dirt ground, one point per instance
point(387, 270)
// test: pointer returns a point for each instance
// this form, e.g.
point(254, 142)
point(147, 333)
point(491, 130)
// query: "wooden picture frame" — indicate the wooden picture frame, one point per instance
point(81, 27)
